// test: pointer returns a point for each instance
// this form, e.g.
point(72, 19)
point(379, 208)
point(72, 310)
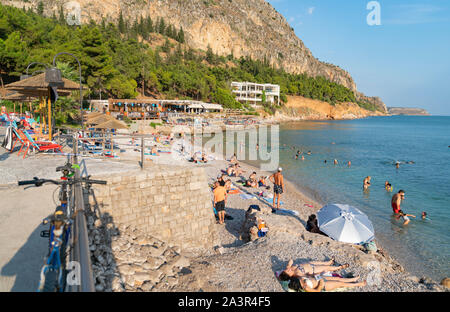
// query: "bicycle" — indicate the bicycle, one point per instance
point(52, 277)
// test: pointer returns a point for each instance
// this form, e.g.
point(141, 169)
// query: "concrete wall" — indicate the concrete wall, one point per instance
point(172, 204)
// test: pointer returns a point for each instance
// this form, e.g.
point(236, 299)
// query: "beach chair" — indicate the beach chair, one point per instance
point(93, 149)
point(39, 146)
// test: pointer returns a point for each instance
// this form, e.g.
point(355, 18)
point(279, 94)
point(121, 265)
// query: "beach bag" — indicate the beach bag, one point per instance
point(370, 246)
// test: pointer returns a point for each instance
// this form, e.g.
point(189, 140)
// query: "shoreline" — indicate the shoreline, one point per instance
point(287, 238)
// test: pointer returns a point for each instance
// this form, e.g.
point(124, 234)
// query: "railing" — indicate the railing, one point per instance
point(80, 241)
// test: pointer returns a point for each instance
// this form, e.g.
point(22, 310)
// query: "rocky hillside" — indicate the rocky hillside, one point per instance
point(238, 27)
point(300, 108)
point(408, 111)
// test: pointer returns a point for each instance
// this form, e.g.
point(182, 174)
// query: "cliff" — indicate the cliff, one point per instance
point(238, 27)
point(408, 111)
point(300, 108)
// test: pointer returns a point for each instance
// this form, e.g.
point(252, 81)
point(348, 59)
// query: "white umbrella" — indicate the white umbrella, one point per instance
point(345, 223)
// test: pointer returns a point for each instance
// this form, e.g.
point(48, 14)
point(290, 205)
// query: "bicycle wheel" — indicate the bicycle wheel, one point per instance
point(51, 281)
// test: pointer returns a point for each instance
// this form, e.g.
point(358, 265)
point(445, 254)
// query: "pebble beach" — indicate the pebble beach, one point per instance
point(251, 266)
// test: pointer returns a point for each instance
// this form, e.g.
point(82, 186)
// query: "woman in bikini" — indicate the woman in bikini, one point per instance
point(324, 283)
point(312, 268)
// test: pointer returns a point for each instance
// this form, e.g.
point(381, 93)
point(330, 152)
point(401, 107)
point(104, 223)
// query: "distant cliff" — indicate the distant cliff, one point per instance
point(408, 111)
point(238, 27)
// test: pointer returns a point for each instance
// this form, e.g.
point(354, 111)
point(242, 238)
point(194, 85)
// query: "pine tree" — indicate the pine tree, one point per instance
point(121, 24)
point(40, 8)
point(150, 24)
point(180, 36)
point(62, 17)
point(162, 26)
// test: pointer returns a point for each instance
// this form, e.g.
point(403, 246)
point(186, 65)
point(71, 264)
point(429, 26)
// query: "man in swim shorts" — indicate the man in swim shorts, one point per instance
point(278, 186)
point(220, 194)
point(397, 200)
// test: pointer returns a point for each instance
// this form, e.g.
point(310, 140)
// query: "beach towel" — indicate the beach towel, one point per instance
point(8, 139)
point(285, 284)
point(234, 191)
point(270, 200)
point(247, 196)
point(285, 211)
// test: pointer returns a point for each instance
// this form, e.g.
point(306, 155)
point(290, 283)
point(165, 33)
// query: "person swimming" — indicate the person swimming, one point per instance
point(388, 186)
point(425, 216)
point(405, 216)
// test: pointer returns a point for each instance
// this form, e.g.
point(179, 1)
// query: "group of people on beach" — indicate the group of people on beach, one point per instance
point(316, 276)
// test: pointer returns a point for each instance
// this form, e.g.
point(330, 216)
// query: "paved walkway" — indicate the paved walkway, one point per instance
point(22, 210)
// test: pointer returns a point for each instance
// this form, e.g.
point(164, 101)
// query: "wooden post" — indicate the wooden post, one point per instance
point(49, 118)
point(142, 152)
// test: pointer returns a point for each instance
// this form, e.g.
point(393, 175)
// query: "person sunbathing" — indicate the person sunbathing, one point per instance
point(237, 170)
point(312, 268)
point(262, 181)
point(230, 171)
point(251, 182)
point(323, 283)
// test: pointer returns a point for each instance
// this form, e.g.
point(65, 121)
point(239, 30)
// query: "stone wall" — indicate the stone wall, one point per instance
point(172, 204)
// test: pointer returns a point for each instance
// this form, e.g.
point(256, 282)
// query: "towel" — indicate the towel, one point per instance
point(285, 211)
point(246, 196)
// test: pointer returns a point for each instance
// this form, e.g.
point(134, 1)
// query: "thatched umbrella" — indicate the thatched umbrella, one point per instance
point(110, 124)
point(92, 115)
point(37, 86)
point(100, 119)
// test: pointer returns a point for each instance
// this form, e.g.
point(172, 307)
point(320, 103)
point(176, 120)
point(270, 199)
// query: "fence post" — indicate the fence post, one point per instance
point(142, 152)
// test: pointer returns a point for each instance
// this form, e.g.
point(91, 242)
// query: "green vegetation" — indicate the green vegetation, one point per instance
point(154, 124)
point(117, 60)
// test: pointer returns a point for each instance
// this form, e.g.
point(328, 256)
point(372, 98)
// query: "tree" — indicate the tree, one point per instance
point(121, 25)
point(62, 17)
point(180, 36)
point(162, 26)
point(40, 8)
point(210, 57)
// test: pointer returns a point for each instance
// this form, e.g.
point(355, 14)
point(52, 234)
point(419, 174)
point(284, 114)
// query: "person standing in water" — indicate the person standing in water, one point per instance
point(397, 200)
point(366, 183)
point(278, 187)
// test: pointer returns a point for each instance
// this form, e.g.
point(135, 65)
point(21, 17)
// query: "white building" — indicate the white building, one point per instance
point(251, 93)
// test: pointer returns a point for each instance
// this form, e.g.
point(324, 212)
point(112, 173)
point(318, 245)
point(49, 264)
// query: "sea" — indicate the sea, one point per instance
point(421, 144)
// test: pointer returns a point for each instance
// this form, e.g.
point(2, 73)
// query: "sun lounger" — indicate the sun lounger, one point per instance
point(28, 142)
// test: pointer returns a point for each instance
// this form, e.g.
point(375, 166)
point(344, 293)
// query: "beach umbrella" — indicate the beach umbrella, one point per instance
point(100, 119)
point(92, 115)
point(345, 223)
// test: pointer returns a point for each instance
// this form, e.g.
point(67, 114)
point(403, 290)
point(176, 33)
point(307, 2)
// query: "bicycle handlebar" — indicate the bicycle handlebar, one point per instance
point(39, 182)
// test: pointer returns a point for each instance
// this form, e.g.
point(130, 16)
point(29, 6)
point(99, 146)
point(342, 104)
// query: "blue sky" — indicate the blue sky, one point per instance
point(405, 60)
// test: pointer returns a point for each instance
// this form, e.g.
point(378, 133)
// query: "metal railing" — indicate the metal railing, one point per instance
point(80, 241)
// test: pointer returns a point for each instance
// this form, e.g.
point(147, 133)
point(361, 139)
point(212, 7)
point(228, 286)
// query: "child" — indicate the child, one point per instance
point(405, 216)
point(424, 216)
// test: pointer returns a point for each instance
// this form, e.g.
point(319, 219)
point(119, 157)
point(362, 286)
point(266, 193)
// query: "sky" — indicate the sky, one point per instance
point(403, 56)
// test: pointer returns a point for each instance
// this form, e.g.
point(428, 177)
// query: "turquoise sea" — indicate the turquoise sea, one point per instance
point(374, 145)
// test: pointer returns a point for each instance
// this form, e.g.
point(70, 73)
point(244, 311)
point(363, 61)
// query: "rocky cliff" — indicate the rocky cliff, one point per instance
point(300, 108)
point(408, 111)
point(238, 27)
